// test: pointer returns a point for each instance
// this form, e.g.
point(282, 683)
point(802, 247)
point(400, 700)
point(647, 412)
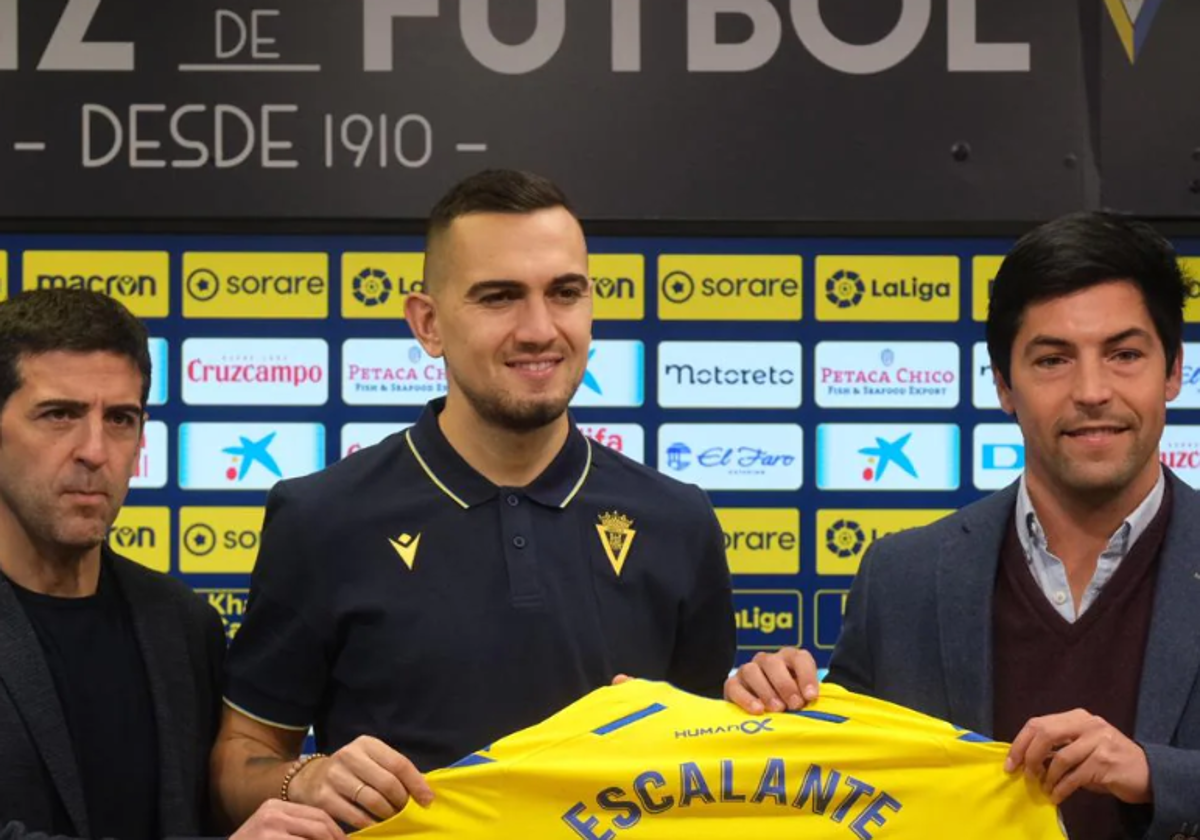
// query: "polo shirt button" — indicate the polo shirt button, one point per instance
point(519, 542)
point(513, 501)
point(1060, 598)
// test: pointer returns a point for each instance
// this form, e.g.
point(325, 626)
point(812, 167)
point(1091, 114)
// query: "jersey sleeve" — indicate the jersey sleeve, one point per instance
point(278, 663)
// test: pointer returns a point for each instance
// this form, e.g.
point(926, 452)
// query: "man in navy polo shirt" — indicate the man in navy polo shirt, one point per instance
point(472, 575)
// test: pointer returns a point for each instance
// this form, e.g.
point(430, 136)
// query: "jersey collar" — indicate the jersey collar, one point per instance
point(556, 487)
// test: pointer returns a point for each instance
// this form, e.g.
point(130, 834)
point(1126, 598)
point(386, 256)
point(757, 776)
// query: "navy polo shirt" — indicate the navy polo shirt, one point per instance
point(400, 594)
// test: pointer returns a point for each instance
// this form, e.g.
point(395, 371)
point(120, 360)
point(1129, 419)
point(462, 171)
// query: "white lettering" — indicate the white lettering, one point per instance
point(861, 59)
point(706, 55)
point(513, 59)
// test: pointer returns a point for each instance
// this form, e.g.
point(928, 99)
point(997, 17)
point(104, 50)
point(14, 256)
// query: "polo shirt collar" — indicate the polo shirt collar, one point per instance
point(558, 484)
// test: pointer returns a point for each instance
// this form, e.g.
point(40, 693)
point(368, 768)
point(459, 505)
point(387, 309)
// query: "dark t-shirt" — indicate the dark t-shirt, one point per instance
point(100, 678)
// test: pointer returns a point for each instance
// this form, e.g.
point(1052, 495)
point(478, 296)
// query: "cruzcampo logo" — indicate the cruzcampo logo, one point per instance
point(616, 535)
point(1133, 19)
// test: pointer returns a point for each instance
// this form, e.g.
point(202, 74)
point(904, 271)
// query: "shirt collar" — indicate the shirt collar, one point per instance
point(558, 484)
point(1032, 536)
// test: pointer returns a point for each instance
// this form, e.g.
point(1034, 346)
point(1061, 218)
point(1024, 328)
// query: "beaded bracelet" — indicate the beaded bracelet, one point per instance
point(296, 767)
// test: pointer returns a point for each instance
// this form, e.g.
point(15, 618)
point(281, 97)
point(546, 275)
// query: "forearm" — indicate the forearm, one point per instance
point(245, 773)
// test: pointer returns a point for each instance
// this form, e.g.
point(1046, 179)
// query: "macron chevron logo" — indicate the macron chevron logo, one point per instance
point(1133, 19)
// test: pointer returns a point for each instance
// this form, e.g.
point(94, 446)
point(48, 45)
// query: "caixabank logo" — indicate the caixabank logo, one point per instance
point(219, 540)
point(138, 279)
point(375, 285)
point(729, 288)
point(247, 456)
point(893, 456)
point(615, 375)
point(887, 288)
point(843, 536)
point(143, 534)
point(255, 285)
point(761, 541)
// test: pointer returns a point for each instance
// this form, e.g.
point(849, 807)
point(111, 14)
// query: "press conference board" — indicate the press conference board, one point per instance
point(825, 392)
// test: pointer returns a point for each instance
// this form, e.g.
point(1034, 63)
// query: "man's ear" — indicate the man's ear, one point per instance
point(1003, 392)
point(1175, 376)
point(420, 310)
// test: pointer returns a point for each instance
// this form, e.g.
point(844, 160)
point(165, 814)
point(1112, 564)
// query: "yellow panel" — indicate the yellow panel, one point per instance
point(255, 285)
point(730, 288)
point(983, 272)
point(143, 534)
point(139, 279)
point(1191, 309)
point(887, 288)
point(376, 285)
point(218, 540)
point(618, 286)
point(843, 536)
point(230, 603)
point(761, 541)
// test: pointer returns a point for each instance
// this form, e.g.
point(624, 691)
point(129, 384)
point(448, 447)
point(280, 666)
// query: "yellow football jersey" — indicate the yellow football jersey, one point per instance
point(645, 761)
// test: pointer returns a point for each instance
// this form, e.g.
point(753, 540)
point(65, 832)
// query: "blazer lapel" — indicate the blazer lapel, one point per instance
point(966, 576)
point(1172, 657)
point(24, 672)
point(164, 650)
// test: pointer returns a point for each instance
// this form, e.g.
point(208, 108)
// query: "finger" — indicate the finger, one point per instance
point(805, 668)
point(381, 781)
point(620, 678)
point(337, 793)
point(779, 674)
point(313, 824)
point(376, 804)
point(1077, 777)
point(756, 681)
point(1067, 759)
point(402, 769)
point(737, 693)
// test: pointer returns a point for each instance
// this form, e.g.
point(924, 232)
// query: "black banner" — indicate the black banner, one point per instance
point(643, 109)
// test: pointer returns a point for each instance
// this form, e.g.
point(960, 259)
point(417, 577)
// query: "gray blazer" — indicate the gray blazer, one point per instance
point(918, 632)
point(183, 646)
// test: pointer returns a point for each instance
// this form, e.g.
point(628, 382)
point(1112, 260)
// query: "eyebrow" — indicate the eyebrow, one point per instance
point(1056, 342)
point(484, 287)
point(78, 405)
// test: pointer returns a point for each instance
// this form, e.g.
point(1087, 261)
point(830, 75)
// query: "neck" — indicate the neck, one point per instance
point(1079, 526)
point(504, 457)
point(64, 572)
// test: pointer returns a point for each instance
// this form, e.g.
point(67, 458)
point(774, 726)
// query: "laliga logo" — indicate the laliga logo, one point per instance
point(372, 287)
point(845, 538)
point(845, 289)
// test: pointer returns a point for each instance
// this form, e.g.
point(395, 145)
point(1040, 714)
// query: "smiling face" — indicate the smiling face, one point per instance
point(69, 439)
point(1089, 388)
point(510, 309)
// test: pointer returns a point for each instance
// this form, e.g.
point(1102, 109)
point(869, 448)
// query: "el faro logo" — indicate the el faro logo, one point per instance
point(255, 285)
point(887, 288)
point(375, 285)
point(138, 279)
point(729, 288)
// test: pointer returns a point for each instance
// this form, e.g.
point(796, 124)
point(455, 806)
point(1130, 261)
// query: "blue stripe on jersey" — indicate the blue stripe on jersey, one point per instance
point(975, 738)
point(475, 759)
point(825, 716)
point(619, 723)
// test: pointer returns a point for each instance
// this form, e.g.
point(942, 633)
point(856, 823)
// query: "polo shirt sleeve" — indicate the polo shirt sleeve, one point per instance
point(706, 639)
point(279, 660)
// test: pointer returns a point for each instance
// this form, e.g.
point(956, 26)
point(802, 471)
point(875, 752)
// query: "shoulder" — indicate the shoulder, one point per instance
point(354, 474)
point(623, 480)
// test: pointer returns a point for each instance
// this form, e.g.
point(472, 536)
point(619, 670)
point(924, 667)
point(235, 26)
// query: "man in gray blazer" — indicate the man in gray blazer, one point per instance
point(1059, 613)
point(109, 673)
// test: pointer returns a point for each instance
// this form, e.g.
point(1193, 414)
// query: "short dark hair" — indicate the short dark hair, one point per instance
point(496, 191)
point(1073, 253)
point(71, 320)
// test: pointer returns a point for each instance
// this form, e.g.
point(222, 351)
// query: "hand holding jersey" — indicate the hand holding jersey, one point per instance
point(1077, 750)
point(363, 782)
point(775, 682)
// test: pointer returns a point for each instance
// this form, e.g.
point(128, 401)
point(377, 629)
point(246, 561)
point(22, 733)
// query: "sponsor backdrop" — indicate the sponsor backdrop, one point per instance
point(825, 392)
